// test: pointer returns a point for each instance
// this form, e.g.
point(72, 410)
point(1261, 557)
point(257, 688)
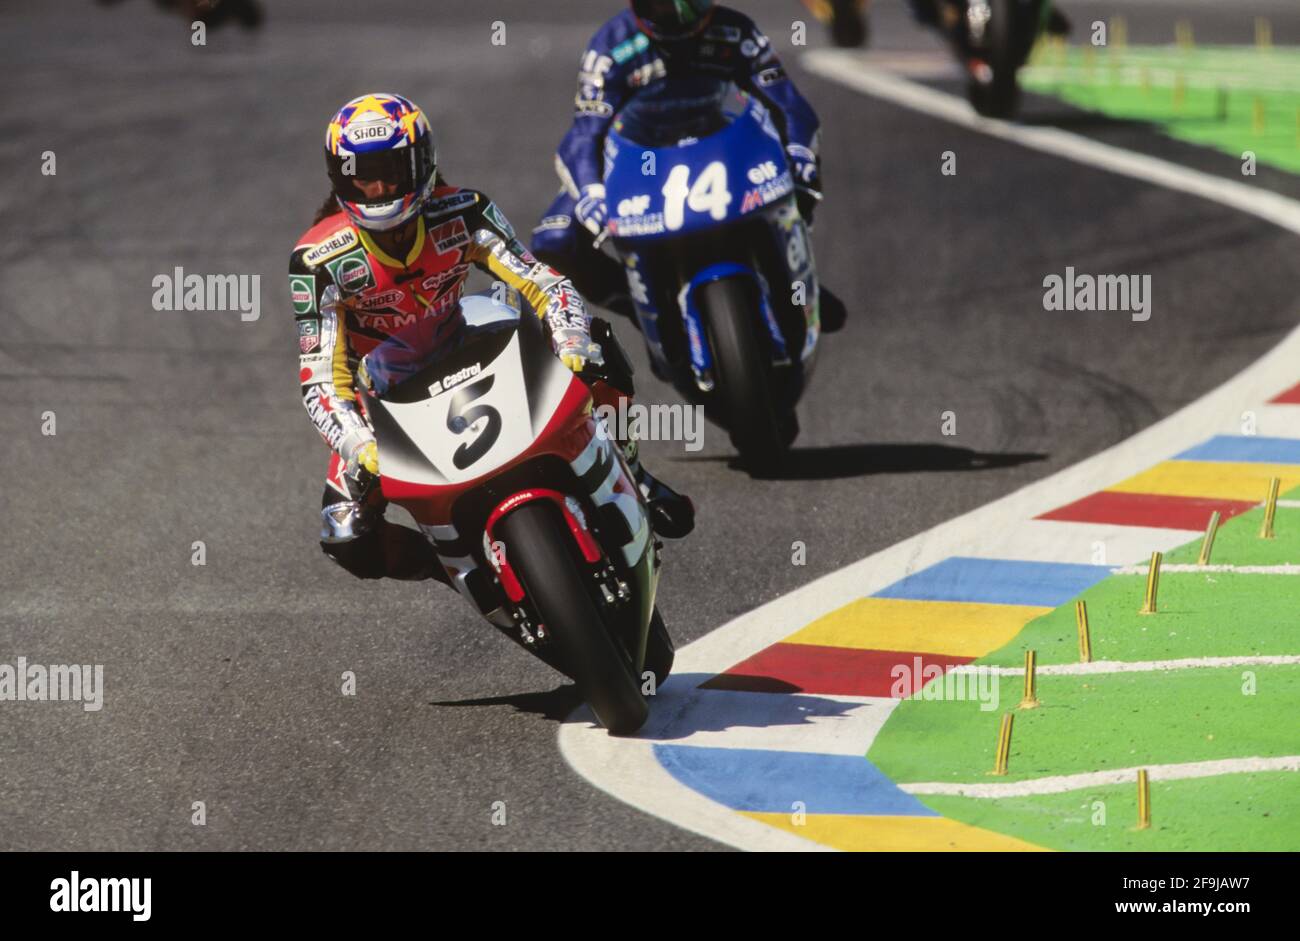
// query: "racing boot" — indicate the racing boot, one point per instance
point(369, 546)
point(833, 312)
point(672, 514)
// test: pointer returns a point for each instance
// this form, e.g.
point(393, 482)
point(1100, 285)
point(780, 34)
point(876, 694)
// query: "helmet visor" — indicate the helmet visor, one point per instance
point(378, 177)
point(672, 19)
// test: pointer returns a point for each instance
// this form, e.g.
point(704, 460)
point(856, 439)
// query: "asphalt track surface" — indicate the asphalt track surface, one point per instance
point(222, 682)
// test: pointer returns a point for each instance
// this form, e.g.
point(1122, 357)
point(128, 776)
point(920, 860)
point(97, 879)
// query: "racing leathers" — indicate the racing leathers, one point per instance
point(349, 295)
point(620, 61)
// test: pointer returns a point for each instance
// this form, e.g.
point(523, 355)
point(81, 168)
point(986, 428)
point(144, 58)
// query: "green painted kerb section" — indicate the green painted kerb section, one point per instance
point(1102, 722)
point(1231, 98)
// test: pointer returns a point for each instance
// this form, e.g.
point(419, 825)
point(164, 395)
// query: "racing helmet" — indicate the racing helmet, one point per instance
point(385, 138)
point(669, 20)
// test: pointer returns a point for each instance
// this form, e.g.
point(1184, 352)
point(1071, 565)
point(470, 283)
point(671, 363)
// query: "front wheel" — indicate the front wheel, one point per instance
point(744, 370)
point(659, 650)
point(541, 553)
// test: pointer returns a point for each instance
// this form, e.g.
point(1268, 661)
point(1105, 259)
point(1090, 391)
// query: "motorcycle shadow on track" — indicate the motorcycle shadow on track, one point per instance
point(861, 460)
point(554, 704)
point(690, 703)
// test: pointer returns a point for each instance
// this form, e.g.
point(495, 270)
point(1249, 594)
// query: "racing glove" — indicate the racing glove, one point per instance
point(807, 180)
point(591, 210)
point(577, 350)
point(361, 456)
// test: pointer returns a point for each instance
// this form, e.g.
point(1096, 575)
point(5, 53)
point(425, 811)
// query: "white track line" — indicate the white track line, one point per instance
point(848, 68)
point(1072, 542)
point(1192, 567)
point(1267, 421)
point(1059, 784)
point(627, 769)
point(1135, 666)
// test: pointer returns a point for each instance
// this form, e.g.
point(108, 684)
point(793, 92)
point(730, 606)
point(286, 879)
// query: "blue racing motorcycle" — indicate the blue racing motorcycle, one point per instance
point(718, 259)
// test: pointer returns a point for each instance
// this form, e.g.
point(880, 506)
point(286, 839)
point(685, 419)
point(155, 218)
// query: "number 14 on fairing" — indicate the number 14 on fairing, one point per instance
point(708, 193)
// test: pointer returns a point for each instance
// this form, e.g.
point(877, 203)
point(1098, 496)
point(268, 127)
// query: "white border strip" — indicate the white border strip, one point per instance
point(1095, 667)
point(849, 68)
point(1060, 783)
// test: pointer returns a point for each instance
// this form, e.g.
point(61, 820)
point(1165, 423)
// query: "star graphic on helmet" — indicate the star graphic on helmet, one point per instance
point(374, 103)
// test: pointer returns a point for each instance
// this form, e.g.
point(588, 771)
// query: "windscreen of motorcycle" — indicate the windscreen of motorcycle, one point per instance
point(693, 183)
point(473, 411)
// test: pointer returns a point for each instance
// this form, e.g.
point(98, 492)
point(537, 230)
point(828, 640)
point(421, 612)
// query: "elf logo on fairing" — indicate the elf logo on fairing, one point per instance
point(762, 173)
point(447, 383)
point(633, 206)
point(76, 894)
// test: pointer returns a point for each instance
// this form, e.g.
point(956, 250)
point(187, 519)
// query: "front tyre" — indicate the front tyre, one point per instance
point(659, 650)
point(744, 370)
point(541, 553)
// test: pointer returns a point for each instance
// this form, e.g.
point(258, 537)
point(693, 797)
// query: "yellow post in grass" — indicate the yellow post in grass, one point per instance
point(1263, 34)
point(1207, 544)
point(1221, 103)
point(1183, 34)
point(1085, 640)
point(1153, 584)
point(1118, 32)
point(1030, 698)
point(1004, 745)
point(1257, 115)
point(1270, 509)
point(1180, 91)
point(1145, 79)
point(1144, 801)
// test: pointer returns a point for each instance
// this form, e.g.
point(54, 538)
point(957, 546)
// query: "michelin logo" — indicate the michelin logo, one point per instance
point(344, 240)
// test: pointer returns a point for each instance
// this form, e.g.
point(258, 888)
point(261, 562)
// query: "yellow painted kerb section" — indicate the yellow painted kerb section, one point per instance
point(886, 834)
point(1220, 480)
point(959, 629)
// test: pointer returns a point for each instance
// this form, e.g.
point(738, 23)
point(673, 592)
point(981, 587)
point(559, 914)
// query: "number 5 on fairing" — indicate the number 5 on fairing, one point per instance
point(461, 417)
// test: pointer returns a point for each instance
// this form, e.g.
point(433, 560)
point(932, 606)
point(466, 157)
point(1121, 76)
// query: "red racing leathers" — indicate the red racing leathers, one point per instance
point(348, 295)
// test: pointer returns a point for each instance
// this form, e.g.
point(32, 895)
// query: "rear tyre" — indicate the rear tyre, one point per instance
point(1000, 96)
point(541, 553)
point(743, 370)
point(848, 24)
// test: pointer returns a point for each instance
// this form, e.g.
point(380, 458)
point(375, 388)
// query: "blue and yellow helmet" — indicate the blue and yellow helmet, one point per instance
point(380, 139)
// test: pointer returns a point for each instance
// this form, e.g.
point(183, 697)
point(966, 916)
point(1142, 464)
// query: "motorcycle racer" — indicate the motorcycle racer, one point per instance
point(395, 256)
point(646, 43)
